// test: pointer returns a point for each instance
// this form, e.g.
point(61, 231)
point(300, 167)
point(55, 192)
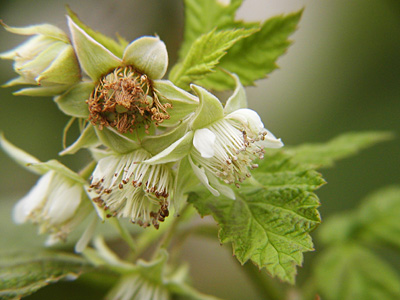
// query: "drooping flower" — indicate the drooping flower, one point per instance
point(57, 203)
point(223, 142)
point(46, 60)
point(130, 189)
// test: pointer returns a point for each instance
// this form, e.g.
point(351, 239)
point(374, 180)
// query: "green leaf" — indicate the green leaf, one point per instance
point(23, 274)
point(269, 222)
point(254, 57)
point(349, 271)
point(205, 54)
point(203, 16)
point(324, 154)
point(375, 222)
point(379, 214)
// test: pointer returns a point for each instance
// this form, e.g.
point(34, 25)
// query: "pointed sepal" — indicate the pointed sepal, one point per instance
point(73, 101)
point(210, 108)
point(238, 99)
point(95, 59)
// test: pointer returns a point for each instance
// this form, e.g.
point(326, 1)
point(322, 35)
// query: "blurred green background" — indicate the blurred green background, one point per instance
point(341, 74)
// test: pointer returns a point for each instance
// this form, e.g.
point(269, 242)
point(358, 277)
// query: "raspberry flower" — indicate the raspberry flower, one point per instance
point(57, 203)
point(124, 92)
point(130, 189)
point(223, 143)
point(46, 60)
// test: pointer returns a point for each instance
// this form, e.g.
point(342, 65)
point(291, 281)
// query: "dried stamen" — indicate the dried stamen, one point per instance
point(124, 99)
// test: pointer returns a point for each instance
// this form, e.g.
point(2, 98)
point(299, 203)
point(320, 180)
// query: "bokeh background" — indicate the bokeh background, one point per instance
point(341, 74)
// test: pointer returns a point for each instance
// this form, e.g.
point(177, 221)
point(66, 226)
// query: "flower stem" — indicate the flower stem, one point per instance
point(126, 236)
point(166, 239)
point(87, 170)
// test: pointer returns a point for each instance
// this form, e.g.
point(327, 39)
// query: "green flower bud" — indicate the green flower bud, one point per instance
point(47, 60)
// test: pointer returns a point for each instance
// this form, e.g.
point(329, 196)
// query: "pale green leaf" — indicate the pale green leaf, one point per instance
point(255, 56)
point(205, 54)
point(324, 154)
point(349, 272)
point(22, 274)
point(203, 16)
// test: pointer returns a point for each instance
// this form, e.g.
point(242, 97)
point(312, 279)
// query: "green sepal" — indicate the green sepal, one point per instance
point(157, 143)
point(73, 101)
point(88, 138)
point(184, 182)
point(115, 47)
point(21, 157)
point(95, 59)
point(238, 99)
point(42, 91)
point(17, 81)
point(63, 70)
point(183, 103)
point(148, 55)
point(44, 29)
point(33, 68)
point(55, 165)
point(209, 110)
point(116, 141)
point(174, 152)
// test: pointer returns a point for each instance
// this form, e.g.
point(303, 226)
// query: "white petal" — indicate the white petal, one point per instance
point(63, 202)
point(200, 173)
point(271, 141)
point(222, 188)
point(203, 141)
point(33, 199)
point(248, 117)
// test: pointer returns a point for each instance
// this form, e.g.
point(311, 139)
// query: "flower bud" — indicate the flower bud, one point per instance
point(47, 59)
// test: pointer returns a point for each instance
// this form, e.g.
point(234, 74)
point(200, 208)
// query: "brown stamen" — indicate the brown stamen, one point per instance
point(124, 99)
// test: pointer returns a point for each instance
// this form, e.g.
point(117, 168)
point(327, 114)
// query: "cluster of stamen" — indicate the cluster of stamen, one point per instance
point(235, 149)
point(124, 99)
point(134, 190)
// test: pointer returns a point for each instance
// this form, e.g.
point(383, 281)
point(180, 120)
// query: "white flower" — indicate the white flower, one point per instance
point(55, 203)
point(131, 189)
point(222, 143)
point(228, 147)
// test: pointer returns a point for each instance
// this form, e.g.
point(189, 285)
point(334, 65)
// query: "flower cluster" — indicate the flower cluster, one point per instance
point(147, 136)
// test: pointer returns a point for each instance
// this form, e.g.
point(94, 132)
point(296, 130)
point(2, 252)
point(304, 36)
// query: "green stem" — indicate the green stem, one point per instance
point(87, 171)
point(65, 131)
point(264, 285)
point(126, 236)
point(166, 239)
